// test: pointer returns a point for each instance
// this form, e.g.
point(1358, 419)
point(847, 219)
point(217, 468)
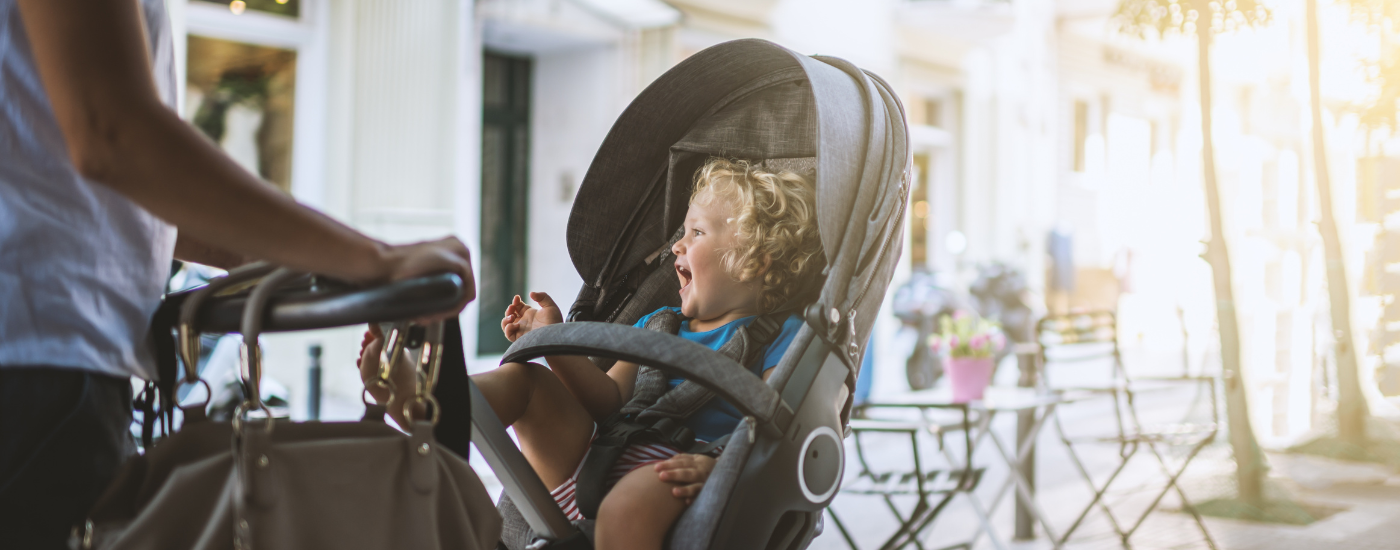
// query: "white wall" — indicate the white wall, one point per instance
point(860, 32)
point(394, 136)
point(577, 96)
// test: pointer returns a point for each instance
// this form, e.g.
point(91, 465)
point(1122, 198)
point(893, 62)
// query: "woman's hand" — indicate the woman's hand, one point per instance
point(520, 318)
point(688, 472)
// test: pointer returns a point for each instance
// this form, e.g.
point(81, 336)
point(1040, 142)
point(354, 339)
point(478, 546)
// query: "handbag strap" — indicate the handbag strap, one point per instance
point(254, 310)
point(188, 340)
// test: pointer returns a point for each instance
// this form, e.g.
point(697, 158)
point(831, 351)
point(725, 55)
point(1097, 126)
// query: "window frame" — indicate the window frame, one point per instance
point(308, 36)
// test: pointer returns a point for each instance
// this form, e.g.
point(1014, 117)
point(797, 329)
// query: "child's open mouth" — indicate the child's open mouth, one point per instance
point(684, 275)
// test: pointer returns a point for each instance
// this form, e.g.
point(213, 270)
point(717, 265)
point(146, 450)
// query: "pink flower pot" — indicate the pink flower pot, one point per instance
point(969, 377)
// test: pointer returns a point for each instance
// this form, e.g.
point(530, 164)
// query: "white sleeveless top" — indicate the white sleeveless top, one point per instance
point(81, 267)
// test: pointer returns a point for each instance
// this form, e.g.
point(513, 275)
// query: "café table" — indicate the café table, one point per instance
point(977, 421)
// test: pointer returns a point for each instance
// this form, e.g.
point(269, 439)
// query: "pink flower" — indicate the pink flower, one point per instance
point(953, 341)
point(960, 314)
point(935, 344)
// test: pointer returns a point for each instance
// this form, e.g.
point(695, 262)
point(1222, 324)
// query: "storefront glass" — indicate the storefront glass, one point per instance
point(242, 97)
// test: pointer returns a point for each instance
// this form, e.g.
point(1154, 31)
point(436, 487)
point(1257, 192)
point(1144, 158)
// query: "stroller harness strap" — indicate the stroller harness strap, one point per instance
point(656, 413)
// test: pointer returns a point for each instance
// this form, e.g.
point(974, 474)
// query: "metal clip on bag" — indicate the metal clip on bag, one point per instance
point(260, 484)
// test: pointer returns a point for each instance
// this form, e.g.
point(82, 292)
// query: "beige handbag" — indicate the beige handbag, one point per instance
point(263, 484)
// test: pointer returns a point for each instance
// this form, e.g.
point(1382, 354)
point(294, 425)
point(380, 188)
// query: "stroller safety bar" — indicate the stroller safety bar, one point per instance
point(309, 309)
point(709, 368)
point(517, 477)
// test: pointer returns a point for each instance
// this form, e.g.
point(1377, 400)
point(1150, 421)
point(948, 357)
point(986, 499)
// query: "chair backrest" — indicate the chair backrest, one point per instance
point(1082, 349)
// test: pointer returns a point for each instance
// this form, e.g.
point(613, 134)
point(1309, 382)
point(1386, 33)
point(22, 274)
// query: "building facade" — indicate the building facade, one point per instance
point(412, 120)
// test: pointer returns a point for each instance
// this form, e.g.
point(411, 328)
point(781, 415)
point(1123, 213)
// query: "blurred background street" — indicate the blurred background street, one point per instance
point(1058, 167)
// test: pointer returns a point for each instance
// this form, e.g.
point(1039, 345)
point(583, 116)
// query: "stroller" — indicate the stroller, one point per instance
point(757, 101)
point(746, 99)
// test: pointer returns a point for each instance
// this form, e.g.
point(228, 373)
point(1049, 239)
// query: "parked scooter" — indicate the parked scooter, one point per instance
point(219, 363)
point(918, 304)
point(1002, 295)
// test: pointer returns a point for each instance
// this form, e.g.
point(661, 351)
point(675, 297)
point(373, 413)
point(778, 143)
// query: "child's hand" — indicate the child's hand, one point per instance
point(520, 318)
point(370, 347)
point(688, 472)
point(404, 376)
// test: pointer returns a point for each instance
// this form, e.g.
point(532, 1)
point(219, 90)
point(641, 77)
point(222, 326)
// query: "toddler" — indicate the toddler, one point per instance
point(750, 238)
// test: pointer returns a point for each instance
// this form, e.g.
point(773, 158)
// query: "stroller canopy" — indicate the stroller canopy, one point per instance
point(753, 100)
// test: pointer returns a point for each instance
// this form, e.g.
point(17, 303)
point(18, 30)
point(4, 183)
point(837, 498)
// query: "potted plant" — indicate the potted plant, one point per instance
point(970, 343)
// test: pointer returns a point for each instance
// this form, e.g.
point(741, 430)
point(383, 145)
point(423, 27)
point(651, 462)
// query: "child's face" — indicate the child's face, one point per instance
point(708, 292)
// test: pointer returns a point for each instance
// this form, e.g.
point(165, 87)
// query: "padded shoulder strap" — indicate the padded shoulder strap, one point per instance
point(684, 400)
point(652, 383)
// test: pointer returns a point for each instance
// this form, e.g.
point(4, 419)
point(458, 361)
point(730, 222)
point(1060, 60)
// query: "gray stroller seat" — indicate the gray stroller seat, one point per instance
point(753, 100)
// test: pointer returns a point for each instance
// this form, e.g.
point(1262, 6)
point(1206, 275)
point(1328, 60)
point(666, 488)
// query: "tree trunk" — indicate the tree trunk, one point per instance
point(1351, 403)
point(1248, 460)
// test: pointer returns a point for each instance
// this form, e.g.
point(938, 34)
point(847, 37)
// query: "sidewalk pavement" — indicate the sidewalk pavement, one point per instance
point(1368, 497)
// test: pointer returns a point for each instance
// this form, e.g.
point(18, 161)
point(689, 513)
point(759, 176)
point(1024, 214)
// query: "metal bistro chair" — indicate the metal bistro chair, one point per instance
point(1092, 337)
point(934, 488)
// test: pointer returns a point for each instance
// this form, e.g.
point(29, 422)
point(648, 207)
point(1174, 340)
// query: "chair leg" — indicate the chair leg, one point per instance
point(850, 542)
point(1172, 483)
point(986, 521)
point(1099, 492)
point(912, 535)
point(906, 526)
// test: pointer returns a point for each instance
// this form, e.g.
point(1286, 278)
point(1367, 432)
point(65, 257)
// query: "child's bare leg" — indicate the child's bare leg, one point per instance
point(554, 429)
point(637, 512)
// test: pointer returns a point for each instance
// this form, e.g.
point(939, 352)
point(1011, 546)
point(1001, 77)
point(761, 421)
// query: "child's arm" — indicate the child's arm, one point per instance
point(600, 394)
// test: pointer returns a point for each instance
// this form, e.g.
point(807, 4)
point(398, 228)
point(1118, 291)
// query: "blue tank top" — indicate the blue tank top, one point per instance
point(717, 418)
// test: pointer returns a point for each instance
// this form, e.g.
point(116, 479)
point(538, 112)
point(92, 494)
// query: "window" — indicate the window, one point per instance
point(242, 97)
point(919, 215)
point(1081, 134)
point(925, 111)
point(505, 161)
point(933, 112)
point(289, 8)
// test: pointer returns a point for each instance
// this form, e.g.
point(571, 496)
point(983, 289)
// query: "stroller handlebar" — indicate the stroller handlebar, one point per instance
point(304, 308)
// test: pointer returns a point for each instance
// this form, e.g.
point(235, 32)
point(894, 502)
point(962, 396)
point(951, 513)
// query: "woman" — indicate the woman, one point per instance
point(98, 176)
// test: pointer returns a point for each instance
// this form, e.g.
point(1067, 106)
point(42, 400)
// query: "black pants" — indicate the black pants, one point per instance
point(63, 433)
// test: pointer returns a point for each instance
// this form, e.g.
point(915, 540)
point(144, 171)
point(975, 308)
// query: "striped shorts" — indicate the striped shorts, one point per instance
point(634, 457)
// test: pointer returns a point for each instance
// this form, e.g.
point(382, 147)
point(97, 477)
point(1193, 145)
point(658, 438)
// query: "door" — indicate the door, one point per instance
point(505, 161)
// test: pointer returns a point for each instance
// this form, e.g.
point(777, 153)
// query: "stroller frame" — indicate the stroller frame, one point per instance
point(753, 100)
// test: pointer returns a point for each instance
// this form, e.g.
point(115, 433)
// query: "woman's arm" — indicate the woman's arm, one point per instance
point(190, 249)
point(92, 59)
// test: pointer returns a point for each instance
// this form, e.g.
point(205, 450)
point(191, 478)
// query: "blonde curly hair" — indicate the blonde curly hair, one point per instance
point(775, 223)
